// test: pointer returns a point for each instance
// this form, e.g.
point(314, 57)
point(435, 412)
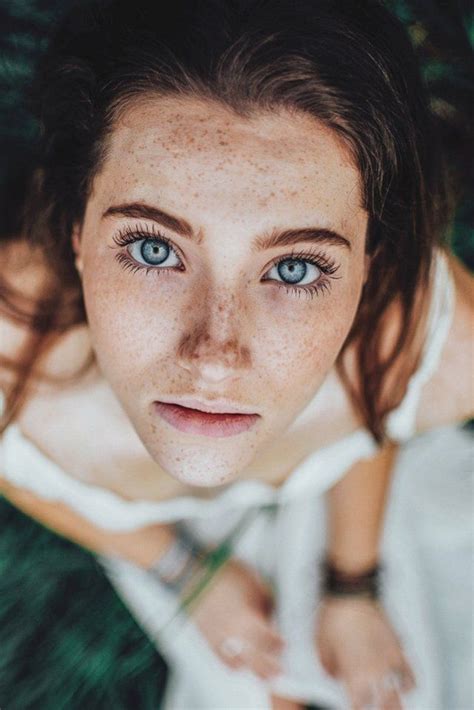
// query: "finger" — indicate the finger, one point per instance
point(390, 685)
point(234, 663)
point(360, 692)
point(264, 637)
point(390, 700)
point(267, 602)
point(263, 654)
point(404, 678)
point(263, 665)
point(260, 652)
point(327, 661)
point(407, 678)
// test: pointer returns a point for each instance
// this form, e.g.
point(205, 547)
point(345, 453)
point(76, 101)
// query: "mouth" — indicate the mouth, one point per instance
point(195, 421)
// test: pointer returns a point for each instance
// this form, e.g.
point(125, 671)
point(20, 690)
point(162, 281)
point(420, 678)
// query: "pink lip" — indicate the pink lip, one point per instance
point(214, 406)
point(193, 421)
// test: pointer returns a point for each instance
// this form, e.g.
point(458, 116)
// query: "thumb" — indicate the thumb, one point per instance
point(328, 661)
point(266, 594)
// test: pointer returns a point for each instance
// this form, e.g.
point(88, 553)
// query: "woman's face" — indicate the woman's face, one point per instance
point(222, 259)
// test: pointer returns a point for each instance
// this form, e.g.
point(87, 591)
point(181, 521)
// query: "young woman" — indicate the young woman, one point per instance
point(238, 210)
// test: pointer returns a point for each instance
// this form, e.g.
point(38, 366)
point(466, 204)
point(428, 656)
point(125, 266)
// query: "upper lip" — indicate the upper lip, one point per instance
point(216, 406)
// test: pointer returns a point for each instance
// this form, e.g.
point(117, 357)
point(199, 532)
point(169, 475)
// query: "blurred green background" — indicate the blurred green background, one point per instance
point(442, 32)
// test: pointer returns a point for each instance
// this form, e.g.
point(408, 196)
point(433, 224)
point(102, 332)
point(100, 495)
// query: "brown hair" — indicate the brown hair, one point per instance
point(348, 64)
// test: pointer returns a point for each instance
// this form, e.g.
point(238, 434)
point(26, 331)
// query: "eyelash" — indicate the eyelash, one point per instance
point(327, 266)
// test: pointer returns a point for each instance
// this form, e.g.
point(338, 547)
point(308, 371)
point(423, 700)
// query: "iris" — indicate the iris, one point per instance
point(292, 270)
point(154, 252)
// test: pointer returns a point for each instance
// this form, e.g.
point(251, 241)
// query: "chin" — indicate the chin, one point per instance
point(200, 465)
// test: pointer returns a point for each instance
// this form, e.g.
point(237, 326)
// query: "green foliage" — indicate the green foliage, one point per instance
point(67, 641)
point(443, 36)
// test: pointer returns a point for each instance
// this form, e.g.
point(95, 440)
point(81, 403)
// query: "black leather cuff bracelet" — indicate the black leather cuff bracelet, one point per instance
point(337, 583)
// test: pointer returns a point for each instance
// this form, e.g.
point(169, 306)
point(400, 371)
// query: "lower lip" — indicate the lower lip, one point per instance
point(193, 421)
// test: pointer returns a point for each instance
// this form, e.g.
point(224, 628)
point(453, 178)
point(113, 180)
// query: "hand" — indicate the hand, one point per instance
point(357, 645)
point(237, 606)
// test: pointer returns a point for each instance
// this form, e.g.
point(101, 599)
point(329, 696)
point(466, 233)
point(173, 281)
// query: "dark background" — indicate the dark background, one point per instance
point(441, 30)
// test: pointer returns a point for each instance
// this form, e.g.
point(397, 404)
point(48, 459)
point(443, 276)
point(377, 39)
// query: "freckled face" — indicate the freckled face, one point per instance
point(212, 314)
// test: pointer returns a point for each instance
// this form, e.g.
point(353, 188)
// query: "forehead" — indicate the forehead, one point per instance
point(187, 150)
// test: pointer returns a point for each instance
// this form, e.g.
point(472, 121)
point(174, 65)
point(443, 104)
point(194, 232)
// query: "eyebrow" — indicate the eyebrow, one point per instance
point(276, 238)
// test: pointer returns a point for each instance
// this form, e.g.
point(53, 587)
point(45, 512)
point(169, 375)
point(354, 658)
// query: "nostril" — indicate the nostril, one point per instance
point(188, 366)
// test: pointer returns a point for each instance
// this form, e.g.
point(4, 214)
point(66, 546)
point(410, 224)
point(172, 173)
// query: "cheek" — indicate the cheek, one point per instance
point(133, 324)
point(305, 336)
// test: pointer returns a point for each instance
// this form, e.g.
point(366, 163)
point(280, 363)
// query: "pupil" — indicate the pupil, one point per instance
point(153, 252)
point(292, 270)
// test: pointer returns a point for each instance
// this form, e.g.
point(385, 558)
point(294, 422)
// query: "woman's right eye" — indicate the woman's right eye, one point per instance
point(153, 252)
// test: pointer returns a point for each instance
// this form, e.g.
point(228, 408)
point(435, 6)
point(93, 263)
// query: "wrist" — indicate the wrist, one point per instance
point(355, 560)
point(337, 582)
point(180, 562)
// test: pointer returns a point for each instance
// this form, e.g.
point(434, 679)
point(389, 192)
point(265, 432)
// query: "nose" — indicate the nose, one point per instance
point(213, 348)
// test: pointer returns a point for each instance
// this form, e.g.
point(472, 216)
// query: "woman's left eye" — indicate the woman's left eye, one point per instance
point(153, 252)
point(296, 272)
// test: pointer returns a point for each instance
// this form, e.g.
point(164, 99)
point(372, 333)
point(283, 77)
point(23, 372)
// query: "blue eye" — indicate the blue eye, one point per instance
point(152, 252)
point(296, 272)
point(292, 270)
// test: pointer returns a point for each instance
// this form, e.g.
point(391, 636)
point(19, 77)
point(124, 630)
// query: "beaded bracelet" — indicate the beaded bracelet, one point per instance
point(191, 578)
point(337, 583)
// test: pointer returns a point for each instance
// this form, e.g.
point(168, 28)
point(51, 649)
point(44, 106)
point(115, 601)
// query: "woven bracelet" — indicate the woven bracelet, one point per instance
point(180, 563)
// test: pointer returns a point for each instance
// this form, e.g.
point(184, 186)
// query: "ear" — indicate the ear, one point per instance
point(76, 247)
